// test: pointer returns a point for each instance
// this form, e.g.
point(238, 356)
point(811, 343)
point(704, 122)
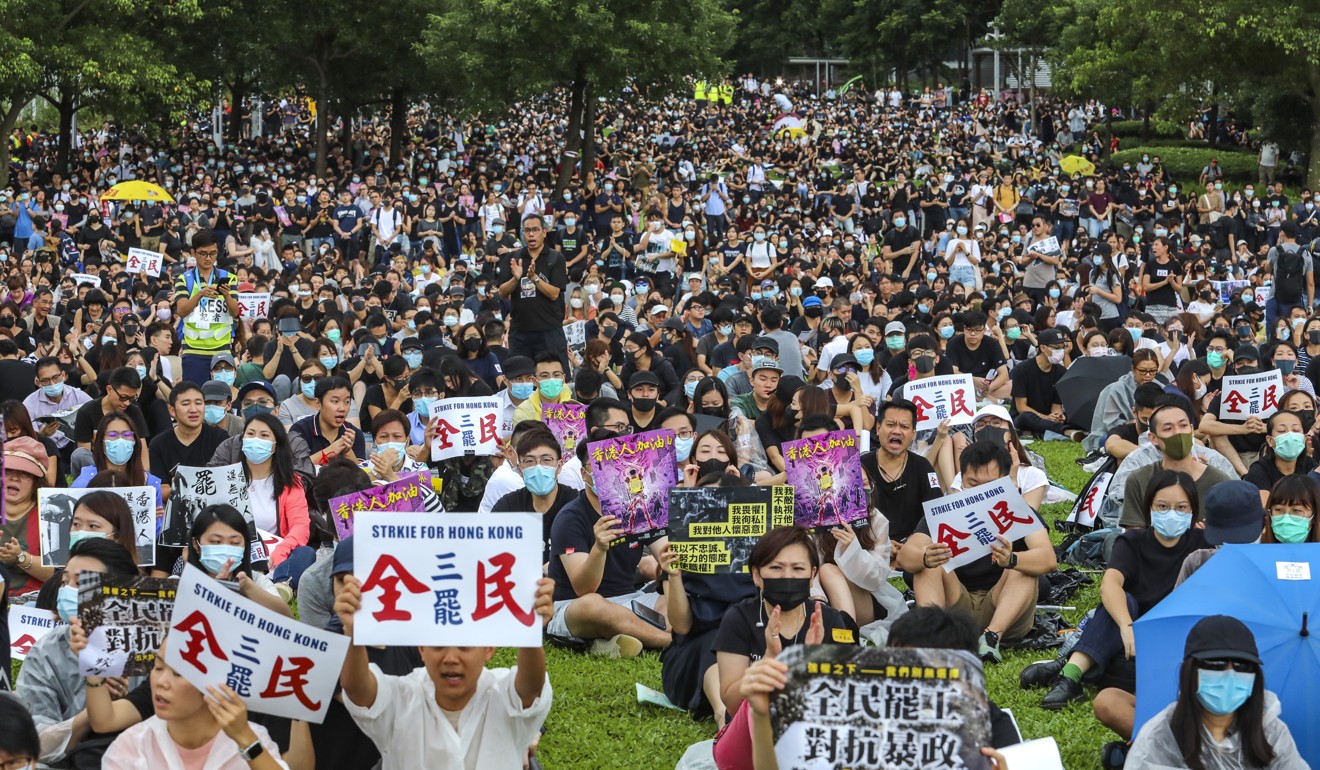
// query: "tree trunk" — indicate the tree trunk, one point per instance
point(346, 113)
point(398, 122)
point(572, 140)
point(588, 133)
point(322, 110)
point(7, 121)
point(237, 93)
point(66, 110)
point(1145, 124)
point(1212, 130)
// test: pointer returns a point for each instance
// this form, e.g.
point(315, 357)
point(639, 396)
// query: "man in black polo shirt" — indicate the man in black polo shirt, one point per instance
point(540, 459)
point(533, 279)
point(191, 442)
point(970, 353)
point(326, 433)
point(1039, 409)
point(902, 245)
point(595, 571)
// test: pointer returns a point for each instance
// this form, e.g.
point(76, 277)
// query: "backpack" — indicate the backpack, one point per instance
point(1288, 269)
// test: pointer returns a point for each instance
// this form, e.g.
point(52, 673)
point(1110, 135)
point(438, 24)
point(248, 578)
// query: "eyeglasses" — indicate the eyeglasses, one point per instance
point(913, 354)
point(206, 252)
point(685, 433)
point(129, 435)
point(1180, 508)
point(1241, 666)
point(1216, 349)
point(545, 461)
point(1147, 372)
point(51, 380)
point(975, 329)
point(618, 427)
point(126, 399)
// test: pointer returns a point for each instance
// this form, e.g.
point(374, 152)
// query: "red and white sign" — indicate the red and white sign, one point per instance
point(254, 304)
point(466, 426)
point(1244, 396)
point(970, 521)
point(27, 625)
point(949, 397)
point(461, 579)
point(276, 664)
point(143, 261)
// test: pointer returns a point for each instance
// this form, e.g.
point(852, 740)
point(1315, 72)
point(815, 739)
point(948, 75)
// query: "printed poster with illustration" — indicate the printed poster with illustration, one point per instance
point(825, 472)
point(632, 476)
point(402, 495)
point(568, 422)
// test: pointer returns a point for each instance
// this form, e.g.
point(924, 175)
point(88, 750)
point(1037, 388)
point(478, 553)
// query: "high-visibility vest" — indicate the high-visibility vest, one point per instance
point(700, 94)
point(726, 93)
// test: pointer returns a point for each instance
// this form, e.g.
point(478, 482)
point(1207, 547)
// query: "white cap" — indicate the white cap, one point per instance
point(992, 410)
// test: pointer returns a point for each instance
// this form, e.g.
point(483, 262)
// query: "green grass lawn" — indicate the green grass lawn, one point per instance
point(597, 722)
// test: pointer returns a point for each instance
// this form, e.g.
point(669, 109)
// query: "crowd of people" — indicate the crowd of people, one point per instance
point(765, 266)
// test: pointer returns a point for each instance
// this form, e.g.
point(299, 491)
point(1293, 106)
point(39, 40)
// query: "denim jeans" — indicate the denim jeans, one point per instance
point(290, 570)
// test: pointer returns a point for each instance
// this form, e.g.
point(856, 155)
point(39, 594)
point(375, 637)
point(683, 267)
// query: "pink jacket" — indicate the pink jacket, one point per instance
point(295, 522)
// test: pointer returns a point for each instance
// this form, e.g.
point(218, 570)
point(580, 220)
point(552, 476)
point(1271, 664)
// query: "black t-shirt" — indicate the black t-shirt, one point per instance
point(167, 452)
point(89, 418)
point(1264, 473)
point(532, 310)
point(17, 379)
point(1127, 432)
point(1149, 569)
point(572, 533)
point(897, 240)
point(520, 501)
point(900, 500)
point(1037, 386)
point(980, 362)
point(1245, 442)
point(739, 634)
point(982, 574)
point(1165, 295)
point(287, 366)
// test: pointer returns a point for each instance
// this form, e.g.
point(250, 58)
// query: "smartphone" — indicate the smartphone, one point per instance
point(232, 585)
point(290, 326)
point(364, 347)
point(649, 615)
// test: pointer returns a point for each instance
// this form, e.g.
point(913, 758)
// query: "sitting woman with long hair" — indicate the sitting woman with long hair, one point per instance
point(277, 495)
point(219, 545)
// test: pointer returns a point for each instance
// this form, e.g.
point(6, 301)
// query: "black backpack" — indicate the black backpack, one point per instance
point(1288, 271)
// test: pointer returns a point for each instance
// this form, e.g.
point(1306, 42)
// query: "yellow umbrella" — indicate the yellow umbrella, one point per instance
point(136, 190)
point(1076, 164)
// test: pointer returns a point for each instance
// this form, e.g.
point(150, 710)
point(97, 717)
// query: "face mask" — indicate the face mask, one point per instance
point(522, 390)
point(214, 414)
point(1223, 692)
point(1178, 446)
point(1005, 312)
point(422, 407)
point(309, 389)
point(252, 410)
point(925, 364)
point(333, 335)
point(1215, 359)
point(864, 356)
point(609, 331)
point(931, 276)
point(1170, 524)
point(726, 329)
point(1014, 334)
point(78, 537)
point(451, 321)
point(163, 314)
point(785, 593)
point(946, 332)
point(617, 299)
point(962, 230)
point(1286, 367)
point(66, 603)
point(1284, 333)
point(108, 340)
point(215, 557)
point(1287, 528)
point(591, 288)
point(53, 391)
point(899, 222)
point(1054, 293)
point(257, 450)
point(226, 377)
point(540, 480)
point(1056, 356)
point(1289, 446)
point(643, 404)
point(576, 303)
point(551, 388)
point(119, 450)
point(894, 343)
point(756, 295)
point(1136, 334)
point(570, 221)
point(329, 362)
point(923, 308)
point(796, 291)
point(683, 447)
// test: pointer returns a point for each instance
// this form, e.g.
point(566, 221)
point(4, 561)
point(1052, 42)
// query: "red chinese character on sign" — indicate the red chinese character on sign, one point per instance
point(950, 537)
point(23, 644)
point(1004, 518)
point(1234, 401)
point(500, 589)
point(1271, 401)
point(922, 405)
point(443, 430)
point(486, 426)
point(958, 402)
point(285, 682)
point(387, 575)
point(1088, 503)
point(200, 635)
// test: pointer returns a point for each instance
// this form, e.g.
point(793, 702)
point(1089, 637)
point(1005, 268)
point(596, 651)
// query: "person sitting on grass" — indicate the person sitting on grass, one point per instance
point(453, 711)
point(999, 589)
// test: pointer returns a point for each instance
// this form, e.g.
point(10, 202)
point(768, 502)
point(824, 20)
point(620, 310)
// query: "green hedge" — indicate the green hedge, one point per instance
point(1184, 164)
point(1159, 129)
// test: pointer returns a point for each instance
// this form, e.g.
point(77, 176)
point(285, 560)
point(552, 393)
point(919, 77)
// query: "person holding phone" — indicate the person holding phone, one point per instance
point(205, 298)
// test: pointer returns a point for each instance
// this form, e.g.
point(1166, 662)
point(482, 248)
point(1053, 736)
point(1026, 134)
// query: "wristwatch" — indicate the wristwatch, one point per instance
point(253, 751)
point(1012, 561)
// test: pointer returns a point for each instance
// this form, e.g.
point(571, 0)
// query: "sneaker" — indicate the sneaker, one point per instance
point(620, 646)
point(989, 648)
point(1040, 674)
point(286, 592)
point(1091, 457)
point(1113, 755)
point(1065, 691)
point(1077, 435)
point(1096, 464)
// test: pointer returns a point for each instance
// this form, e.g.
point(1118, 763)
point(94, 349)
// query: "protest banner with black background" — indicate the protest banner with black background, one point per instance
point(713, 530)
point(125, 619)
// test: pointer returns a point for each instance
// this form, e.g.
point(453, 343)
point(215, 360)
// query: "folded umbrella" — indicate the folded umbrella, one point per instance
point(1080, 386)
point(1272, 589)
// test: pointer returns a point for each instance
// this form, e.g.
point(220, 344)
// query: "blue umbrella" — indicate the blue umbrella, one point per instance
point(1247, 582)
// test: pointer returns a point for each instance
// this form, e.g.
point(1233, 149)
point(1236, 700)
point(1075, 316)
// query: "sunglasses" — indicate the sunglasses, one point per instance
point(1241, 666)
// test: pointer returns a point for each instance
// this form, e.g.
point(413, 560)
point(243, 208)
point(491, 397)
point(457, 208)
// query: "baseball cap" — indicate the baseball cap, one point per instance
point(1246, 352)
point(343, 559)
point(1232, 513)
point(518, 366)
point(410, 343)
point(643, 378)
point(767, 363)
point(824, 281)
point(672, 323)
point(1051, 337)
point(27, 455)
point(215, 390)
point(1220, 637)
point(222, 358)
point(895, 327)
point(255, 385)
point(842, 360)
point(812, 301)
point(766, 343)
point(992, 410)
point(658, 309)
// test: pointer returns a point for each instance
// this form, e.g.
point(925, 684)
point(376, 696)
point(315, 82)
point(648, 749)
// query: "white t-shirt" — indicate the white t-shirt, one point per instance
point(1029, 479)
point(265, 510)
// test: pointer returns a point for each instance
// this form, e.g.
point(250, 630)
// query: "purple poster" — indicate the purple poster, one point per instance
point(402, 495)
point(568, 422)
point(826, 474)
point(632, 476)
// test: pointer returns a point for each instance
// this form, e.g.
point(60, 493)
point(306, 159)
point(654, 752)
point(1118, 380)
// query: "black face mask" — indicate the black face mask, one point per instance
point(1308, 419)
point(1313, 337)
point(925, 364)
point(643, 404)
point(472, 344)
point(841, 382)
point(714, 411)
point(790, 414)
point(786, 593)
point(608, 331)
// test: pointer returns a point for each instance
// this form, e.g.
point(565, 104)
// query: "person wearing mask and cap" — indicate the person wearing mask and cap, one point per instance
point(219, 397)
point(549, 375)
point(1239, 441)
point(224, 369)
point(1035, 399)
point(643, 396)
point(192, 441)
point(520, 371)
point(761, 348)
point(25, 464)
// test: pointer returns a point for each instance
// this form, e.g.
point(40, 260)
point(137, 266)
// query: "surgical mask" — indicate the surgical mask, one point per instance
point(53, 391)
point(570, 221)
point(758, 237)
point(422, 407)
point(1215, 359)
point(400, 448)
point(1201, 390)
point(1178, 446)
point(1286, 528)
point(119, 450)
point(1289, 446)
point(329, 362)
point(451, 321)
point(683, 447)
point(551, 388)
point(1056, 356)
point(1054, 293)
point(575, 303)
point(215, 557)
point(796, 291)
point(227, 377)
point(899, 221)
point(214, 414)
point(309, 389)
point(923, 308)
point(66, 603)
point(257, 450)
point(163, 314)
point(540, 479)
point(1170, 524)
point(785, 593)
point(1013, 334)
point(617, 299)
point(864, 356)
point(333, 335)
point(1223, 692)
point(252, 410)
point(1284, 333)
point(1136, 333)
point(141, 372)
point(726, 329)
point(1005, 312)
point(413, 359)
point(756, 295)
point(946, 332)
point(522, 390)
point(962, 230)
point(931, 275)
point(77, 537)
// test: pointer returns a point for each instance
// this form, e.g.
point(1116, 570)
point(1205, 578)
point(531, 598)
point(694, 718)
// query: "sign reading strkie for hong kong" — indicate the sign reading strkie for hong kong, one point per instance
point(276, 664)
point(460, 579)
point(950, 397)
point(465, 427)
point(1244, 396)
point(970, 521)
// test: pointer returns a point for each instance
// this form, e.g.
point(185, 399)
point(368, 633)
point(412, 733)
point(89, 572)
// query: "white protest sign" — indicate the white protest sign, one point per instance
point(197, 487)
point(27, 625)
point(1244, 396)
point(1047, 246)
point(86, 278)
point(1263, 294)
point(254, 304)
point(1040, 754)
point(465, 426)
point(276, 664)
point(55, 508)
point(950, 397)
point(461, 579)
point(968, 522)
point(576, 334)
point(143, 261)
point(1293, 570)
